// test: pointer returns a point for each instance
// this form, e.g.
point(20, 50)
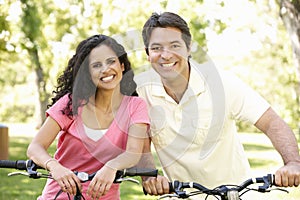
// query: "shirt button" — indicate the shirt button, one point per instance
point(177, 114)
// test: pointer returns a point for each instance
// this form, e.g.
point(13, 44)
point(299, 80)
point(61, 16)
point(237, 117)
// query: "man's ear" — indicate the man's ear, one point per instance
point(147, 51)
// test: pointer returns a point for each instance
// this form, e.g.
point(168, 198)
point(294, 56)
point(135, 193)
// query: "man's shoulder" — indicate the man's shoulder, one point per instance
point(146, 77)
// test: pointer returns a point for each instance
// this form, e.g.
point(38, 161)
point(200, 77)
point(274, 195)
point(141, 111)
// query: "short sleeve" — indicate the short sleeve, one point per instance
point(56, 112)
point(138, 111)
point(245, 103)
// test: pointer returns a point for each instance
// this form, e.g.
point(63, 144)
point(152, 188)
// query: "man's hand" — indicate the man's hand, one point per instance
point(156, 185)
point(288, 175)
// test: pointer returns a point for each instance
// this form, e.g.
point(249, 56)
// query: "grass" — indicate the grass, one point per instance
point(262, 157)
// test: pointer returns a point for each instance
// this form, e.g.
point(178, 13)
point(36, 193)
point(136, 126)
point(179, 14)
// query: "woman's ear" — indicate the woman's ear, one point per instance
point(122, 67)
point(148, 58)
point(190, 48)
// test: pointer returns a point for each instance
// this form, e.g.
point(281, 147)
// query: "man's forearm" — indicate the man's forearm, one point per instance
point(281, 136)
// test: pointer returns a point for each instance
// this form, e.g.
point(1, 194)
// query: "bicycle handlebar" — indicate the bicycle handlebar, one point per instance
point(16, 164)
point(32, 172)
point(228, 192)
point(31, 168)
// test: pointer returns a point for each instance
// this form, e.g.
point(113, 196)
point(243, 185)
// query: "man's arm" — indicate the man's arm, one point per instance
point(284, 141)
point(152, 185)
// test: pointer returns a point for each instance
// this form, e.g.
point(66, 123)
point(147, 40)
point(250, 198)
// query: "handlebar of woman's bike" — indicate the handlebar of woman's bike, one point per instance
point(32, 172)
point(222, 192)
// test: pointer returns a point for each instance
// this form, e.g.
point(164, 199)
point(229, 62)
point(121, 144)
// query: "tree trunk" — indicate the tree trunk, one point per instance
point(41, 87)
point(31, 27)
point(290, 14)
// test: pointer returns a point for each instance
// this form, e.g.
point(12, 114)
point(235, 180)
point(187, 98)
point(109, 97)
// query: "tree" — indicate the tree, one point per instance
point(31, 27)
point(290, 14)
point(45, 33)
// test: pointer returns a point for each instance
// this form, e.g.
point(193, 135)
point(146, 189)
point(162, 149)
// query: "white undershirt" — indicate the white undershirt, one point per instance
point(94, 134)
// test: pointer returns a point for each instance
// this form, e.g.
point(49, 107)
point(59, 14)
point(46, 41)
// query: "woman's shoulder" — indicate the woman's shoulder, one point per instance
point(61, 103)
point(134, 99)
point(64, 99)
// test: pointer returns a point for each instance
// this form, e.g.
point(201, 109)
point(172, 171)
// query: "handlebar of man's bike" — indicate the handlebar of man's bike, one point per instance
point(32, 172)
point(222, 192)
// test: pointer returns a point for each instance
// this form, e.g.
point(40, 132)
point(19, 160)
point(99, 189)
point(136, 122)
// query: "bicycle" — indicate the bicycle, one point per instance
point(32, 172)
point(222, 192)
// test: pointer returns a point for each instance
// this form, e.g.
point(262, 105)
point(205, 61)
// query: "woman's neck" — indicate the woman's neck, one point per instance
point(108, 101)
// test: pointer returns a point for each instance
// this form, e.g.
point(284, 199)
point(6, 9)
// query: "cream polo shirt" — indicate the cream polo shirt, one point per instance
point(196, 139)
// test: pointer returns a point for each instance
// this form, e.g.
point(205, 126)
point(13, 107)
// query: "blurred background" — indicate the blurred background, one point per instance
point(257, 39)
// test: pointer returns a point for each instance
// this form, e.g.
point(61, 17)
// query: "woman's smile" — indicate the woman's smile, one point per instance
point(107, 79)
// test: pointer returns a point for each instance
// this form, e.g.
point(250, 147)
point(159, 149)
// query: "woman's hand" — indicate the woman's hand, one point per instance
point(66, 179)
point(102, 182)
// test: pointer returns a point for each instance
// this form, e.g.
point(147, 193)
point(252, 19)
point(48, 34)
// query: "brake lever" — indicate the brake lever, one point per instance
point(35, 176)
point(280, 189)
point(119, 180)
point(168, 196)
point(18, 173)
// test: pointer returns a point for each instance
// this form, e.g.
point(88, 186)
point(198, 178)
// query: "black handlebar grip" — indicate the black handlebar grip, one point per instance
point(140, 172)
point(171, 187)
point(14, 164)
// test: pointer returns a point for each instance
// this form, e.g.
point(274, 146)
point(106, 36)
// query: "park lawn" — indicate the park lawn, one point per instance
point(262, 157)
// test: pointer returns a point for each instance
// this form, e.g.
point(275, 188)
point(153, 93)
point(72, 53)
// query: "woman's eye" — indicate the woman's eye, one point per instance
point(97, 65)
point(110, 62)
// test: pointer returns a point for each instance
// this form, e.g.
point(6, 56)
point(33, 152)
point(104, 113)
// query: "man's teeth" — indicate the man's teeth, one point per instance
point(168, 65)
point(108, 78)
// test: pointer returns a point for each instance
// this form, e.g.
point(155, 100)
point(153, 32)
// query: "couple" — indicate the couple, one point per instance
point(101, 118)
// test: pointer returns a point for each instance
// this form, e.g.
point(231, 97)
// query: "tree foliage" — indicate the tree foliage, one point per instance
point(38, 37)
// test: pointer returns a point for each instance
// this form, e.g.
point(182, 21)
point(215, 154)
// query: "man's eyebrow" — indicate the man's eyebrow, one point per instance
point(160, 44)
point(153, 44)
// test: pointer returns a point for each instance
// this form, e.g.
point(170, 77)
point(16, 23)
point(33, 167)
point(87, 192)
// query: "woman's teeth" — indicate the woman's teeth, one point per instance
point(108, 78)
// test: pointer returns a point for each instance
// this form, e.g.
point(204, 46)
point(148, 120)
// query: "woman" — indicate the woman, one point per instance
point(100, 122)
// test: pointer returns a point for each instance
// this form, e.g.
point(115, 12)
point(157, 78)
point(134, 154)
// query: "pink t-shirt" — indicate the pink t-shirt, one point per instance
point(78, 152)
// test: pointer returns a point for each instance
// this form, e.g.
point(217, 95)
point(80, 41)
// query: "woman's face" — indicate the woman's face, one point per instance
point(105, 68)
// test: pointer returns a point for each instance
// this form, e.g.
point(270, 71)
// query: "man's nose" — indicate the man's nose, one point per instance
point(166, 54)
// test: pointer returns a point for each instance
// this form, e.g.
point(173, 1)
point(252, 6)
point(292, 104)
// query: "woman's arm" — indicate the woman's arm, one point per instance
point(134, 148)
point(102, 182)
point(37, 151)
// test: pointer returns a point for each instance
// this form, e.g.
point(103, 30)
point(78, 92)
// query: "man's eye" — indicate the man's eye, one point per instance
point(175, 46)
point(156, 48)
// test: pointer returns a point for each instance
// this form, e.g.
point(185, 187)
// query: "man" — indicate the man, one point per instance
point(193, 109)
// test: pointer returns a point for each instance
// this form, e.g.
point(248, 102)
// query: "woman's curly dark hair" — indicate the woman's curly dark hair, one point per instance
point(76, 79)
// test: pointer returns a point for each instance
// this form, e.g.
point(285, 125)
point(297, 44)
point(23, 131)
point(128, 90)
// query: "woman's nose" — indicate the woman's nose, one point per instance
point(104, 68)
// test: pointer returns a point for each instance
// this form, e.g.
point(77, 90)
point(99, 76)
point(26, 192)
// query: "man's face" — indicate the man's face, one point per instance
point(168, 53)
